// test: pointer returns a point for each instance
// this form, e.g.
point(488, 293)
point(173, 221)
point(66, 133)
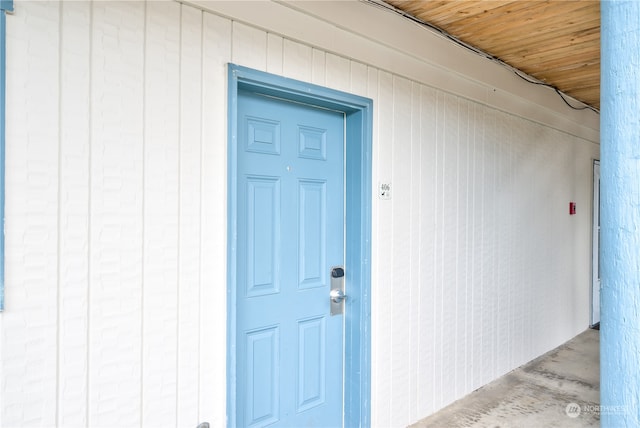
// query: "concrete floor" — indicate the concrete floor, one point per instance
point(538, 394)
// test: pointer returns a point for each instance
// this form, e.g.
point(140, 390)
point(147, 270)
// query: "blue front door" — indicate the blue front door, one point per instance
point(290, 233)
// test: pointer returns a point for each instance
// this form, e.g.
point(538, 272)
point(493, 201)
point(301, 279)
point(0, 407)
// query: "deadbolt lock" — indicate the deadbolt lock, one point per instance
point(336, 295)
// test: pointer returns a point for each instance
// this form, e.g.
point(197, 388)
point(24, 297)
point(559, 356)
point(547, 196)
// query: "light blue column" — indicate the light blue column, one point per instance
point(620, 214)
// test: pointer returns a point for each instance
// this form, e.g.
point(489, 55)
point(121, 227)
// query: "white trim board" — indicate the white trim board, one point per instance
point(368, 34)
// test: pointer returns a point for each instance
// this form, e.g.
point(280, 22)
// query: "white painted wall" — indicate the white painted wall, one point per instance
point(116, 212)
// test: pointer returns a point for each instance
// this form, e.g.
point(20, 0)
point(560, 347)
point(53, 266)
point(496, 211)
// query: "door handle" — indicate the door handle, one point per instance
point(336, 295)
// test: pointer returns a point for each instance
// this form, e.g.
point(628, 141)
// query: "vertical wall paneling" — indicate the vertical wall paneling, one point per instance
point(337, 72)
point(274, 53)
point(583, 241)
point(372, 92)
point(358, 79)
point(511, 249)
point(426, 351)
point(189, 254)
point(116, 221)
point(400, 296)
point(249, 46)
point(438, 298)
point(318, 68)
point(75, 86)
point(297, 61)
point(382, 276)
point(485, 256)
point(501, 212)
point(5, 6)
point(448, 245)
point(116, 253)
point(216, 50)
point(476, 223)
point(507, 253)
point(462, 250)
point(415, 240)
point(521, 220)
point(29, 323)
point(160, 210)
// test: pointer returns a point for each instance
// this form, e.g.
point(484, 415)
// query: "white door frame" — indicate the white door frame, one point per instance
point(595, 248)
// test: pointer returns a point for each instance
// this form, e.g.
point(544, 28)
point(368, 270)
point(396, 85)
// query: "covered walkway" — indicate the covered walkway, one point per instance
point(559, 389)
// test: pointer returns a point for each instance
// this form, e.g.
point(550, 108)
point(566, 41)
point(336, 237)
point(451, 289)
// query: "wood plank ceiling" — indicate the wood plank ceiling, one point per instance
point(555, 41)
